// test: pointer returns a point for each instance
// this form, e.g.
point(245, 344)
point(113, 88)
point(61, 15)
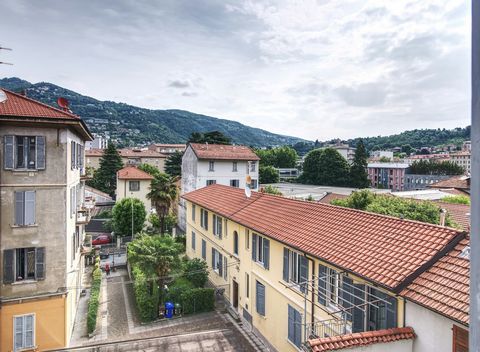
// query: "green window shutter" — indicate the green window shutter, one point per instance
point(260, 295)
point(220, 264)
point(204, 250)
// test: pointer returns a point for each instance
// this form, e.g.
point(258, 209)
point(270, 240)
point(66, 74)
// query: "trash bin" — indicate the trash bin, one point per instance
point(178, 309)
point(169, 307)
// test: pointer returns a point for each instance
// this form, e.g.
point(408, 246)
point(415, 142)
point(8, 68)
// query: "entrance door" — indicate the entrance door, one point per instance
point(235, 294)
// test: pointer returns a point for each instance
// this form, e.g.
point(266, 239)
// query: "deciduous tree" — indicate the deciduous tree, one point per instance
point(124, 212)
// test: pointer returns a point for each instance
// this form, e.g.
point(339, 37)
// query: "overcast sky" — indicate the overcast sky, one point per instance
point(313, 69)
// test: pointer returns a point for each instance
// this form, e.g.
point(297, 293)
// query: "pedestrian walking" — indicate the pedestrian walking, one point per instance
point(107, 269)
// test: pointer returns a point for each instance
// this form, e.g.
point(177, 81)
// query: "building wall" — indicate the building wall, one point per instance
point(50, 322)
point(223, 173)
point(415, 182)
point(395, 346)
point(94, 161)
point(434, 331)
point(387, 177)
point(274, 325)
point(124, 192)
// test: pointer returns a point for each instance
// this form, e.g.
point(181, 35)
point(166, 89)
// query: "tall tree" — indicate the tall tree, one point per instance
point(173, 164)
point(128, 216)
point(268, 174)
point(149, 169)
point(105, 178)
point(285, 157)
point(325, 167)
point(163, 192)
point(358, 170)
point(212, 137)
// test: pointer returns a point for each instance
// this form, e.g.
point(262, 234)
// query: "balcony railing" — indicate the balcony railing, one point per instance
point(83, 216)
point(325, 328)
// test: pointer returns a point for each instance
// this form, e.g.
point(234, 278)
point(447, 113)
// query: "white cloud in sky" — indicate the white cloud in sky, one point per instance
point(312, 68)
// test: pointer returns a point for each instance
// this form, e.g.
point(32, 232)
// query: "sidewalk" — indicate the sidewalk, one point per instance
point(79, 334)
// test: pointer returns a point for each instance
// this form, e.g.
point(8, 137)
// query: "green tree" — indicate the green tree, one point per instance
point(432, 167)
point(105, 178)
point(458, 199)
point(149, 169)
point(358, 170)
point(284, 157)
point(212, 137)
point(325, 167)
point(173, 164)
point(163, 192)
point(196, 271)
point(384, 159)
point(272, 190)
point(266, 157)
point(268, 174)
point(357, 200)
point(156, 254)
point(122, 214)
point(407, 149)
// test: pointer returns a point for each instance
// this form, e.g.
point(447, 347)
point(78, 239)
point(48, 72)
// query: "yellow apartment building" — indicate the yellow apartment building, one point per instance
point(301, 273)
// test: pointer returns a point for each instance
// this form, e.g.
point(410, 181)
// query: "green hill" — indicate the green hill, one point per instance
point(131, 125)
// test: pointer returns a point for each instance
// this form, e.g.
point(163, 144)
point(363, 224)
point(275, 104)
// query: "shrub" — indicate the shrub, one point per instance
point(146, 295)
point(93, 303)
point(198, 300)
point(176, 290)
point(459, 199)
point(196, 271)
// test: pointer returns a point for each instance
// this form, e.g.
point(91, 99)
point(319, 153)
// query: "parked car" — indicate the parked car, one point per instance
point(102, 239)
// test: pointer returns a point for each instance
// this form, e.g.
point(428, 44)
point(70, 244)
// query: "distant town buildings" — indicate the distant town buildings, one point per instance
point(382, 154)
point(462, 159)
point(167, 148)
point(387, 175)
point(99, 142)
point(344, 149)
point(130, 156)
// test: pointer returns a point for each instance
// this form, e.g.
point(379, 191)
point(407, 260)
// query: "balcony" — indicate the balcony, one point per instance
point(83, 216)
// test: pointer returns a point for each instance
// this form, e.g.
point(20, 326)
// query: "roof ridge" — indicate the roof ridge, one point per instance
point(40, 103)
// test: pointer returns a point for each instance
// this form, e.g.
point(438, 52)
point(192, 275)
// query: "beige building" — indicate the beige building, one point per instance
point(134, 183)
point(129, 157)
point(43, 216)
point(462, 159)
point(167, 148)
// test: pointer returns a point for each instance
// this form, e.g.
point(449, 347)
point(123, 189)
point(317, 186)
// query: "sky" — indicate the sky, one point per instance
point(315, 69)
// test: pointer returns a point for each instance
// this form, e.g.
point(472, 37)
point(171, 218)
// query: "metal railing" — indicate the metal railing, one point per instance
point(324, 328)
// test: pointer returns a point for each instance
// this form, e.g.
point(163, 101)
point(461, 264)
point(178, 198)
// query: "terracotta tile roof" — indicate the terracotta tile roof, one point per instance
point(458, 182)
point(331, 196)
point(384, 250)
point(161, 145)
point(126, 153)
point(458, 212)
point(18, 105)
point(444, 288)
point(223, 152)
point(132, 173)
point(358, 339)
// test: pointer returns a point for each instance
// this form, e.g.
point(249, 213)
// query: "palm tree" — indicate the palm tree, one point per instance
point(163, 192)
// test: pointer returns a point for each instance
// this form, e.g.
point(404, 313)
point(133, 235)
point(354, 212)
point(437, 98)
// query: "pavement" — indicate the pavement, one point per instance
point(118, 328)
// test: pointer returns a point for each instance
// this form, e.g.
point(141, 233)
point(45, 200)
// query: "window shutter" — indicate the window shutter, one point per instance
point(18, 336)
point(285, 264)
point(225, 266)
point(220, 264)
point(260, 299)
point(8, 274)
point(72, 146)
point(40, 263)
point(346, 298)
point(254, 247)
point(322, 285)
point(291, 323)
point(29, 207)
point(298, 328)
point(40, 153)
point(460, 339)
point(28, 330)
point(266, 253)
point(358, 323)
point(213, 258)
point(20, 208)
point(204, 250)
point(193, 240)
point(8, 152)
point(220, 226)
point(303, 274)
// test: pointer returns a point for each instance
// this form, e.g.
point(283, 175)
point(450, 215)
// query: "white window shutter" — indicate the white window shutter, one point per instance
point(29, 207)
point(8, 152)
point(41, 156)
point(19, 208)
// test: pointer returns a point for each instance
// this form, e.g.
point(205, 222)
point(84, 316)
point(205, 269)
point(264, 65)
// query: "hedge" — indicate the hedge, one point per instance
point(177, 288)
point(146, 295)
point(198, 300)
point(93, 303)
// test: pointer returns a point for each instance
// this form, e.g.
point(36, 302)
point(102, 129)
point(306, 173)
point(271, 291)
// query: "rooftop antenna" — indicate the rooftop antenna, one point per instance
point(5, 63)
point(3, 96)
point(248, 191)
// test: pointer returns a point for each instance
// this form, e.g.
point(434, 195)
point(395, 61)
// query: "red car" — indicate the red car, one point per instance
point(102, 239)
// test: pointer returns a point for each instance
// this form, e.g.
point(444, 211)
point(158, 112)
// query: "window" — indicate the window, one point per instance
point(460, 339)
point(382, 312)
point(295, 268)
point(234, 166)
point(193, 240)
point(260, 298)
point(225, 267)
point(247, 239)
point(134, 186)
point(204, 219)
point(25, 208)
point(253, 166)
point(24, 152)
point(23, 264)
point(217, 226)
point(217, 262)
point(24, 331)
point(261, 250)
point(328, 280)
point(247, 285)
point(254, 184)
point(193, 212)
point(211, 182)
point(211, 166)
point(235, 183)
point(235, 242)
point(204, 249)
point(294, 326)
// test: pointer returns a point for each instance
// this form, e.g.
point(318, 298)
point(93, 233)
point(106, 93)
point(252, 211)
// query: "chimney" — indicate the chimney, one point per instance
point(443, 214)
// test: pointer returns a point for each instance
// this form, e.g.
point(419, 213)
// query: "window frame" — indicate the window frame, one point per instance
point(204, 219)
point(235, 166)
point(24, 210)
point(217, 223)
point(211, 182)
point(193, 244)
point(133, 182)
point(194, 209)
point(24, 331)
point(24, 252)
point(235, 243)
point(235, 183)
point(211, 165)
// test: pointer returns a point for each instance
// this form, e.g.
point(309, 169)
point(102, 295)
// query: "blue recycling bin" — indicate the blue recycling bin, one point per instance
point(169, 307)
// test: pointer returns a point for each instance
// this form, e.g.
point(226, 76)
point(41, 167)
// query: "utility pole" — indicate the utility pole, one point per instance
point(475, 184)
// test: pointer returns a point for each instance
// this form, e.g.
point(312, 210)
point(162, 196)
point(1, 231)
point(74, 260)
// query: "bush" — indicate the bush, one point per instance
point(196, 271)
point(176, 290)
point(198, 300)
point(146, 295)
point(457, 199)
point(93, 303)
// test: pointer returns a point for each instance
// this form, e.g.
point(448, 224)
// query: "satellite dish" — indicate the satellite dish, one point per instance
point(3, 96)
point(248, 192)
point(63, 103)
point(248, 179)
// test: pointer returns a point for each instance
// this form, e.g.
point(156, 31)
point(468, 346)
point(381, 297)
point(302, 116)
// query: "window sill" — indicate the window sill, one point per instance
point(23, 226)
point(261, 265)
point(293, 345)
point(24, 282)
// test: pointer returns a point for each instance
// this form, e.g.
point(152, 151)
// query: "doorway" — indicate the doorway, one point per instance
point(235, 294)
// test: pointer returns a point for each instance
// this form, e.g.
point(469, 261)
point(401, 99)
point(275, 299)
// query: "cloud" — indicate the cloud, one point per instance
point(363, 95)
point(179, 84)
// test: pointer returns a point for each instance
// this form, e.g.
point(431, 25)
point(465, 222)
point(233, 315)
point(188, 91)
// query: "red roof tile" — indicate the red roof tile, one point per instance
point(20, 106)
point(360, 339)
point(383, 249)
point(445, 287)
point(458, 212)
point(327, 199)
point(132, 173)
point(223, 152)
point(458, 182)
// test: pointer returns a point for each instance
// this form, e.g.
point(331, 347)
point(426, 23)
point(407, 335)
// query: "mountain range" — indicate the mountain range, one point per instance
point(133, 126)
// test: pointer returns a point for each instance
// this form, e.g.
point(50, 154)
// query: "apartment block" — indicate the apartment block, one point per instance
point(43, 216)
point(387, 175)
